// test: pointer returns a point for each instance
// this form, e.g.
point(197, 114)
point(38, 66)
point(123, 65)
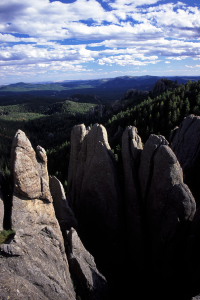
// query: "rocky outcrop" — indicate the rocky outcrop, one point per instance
point(90, 284)
point(169, 208)
point(186, 145)
point(30, 174)
point(64, 213)
point(33, 264)
point(139, 222)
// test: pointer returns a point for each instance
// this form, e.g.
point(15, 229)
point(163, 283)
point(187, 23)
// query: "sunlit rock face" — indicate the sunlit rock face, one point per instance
point(30, 173)
point(33, 263)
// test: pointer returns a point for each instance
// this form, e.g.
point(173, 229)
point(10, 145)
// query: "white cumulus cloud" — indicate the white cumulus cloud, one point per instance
point(43, 35)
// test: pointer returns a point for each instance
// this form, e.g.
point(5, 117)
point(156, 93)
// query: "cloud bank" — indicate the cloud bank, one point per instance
point(65, 38)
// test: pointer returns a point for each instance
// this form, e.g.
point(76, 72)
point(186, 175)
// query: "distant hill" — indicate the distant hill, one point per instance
point(97, 91)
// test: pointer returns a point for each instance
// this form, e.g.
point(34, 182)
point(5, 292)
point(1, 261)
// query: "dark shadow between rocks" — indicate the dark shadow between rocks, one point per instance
point(7, 191)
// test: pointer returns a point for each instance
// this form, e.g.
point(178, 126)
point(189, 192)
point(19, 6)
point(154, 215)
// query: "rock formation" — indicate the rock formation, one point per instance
point(169, 208)
point(33, 264)
point(139, 222)
point(29, 169)
point(77, 136)
point(131, 151)
point(96, 200)
point(158, 207)
point(186, 145)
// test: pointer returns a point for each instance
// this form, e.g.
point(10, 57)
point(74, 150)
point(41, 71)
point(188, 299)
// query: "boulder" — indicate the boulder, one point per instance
point(64, 213)
point(90, 283)
point(185, 143)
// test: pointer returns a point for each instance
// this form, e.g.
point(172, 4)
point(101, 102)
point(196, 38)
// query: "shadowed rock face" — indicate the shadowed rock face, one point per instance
point(158, 209)
point(146, 165)
point(186, 145)
point(64, 213)
point(99, 193)
point(91, 284)
point(33, 264)
point(96, 202)
point(29, 169)
point(131, 152)
point(5, 202)
point(94, 179)
point(193, 248)
point(169, 208)
point(1, 203)
point(77, 136)
point(1, 214)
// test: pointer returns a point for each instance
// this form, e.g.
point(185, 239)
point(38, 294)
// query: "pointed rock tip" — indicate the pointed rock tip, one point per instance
point(41, 153)
point(99, 133)
point(157, 140)
point(20, 135)
point(132, 133)
point(20, 140)
point(78, 132)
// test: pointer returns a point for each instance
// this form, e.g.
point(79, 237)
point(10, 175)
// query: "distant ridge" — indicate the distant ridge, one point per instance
point(104, 90)
point(135, 80)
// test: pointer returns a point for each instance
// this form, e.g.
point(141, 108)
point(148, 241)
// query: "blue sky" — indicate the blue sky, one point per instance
point(44, 40)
